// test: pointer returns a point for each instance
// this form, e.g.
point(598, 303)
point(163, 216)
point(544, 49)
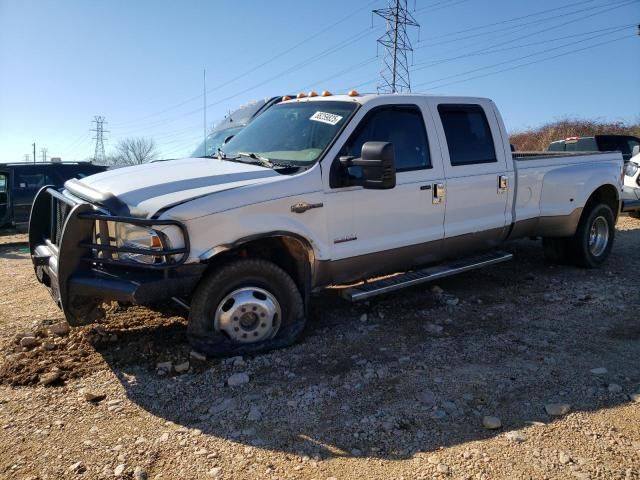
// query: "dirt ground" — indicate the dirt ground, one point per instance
point(397, 388)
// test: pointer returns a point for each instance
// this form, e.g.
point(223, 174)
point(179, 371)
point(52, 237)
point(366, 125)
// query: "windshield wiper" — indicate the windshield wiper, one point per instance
point(264, 161)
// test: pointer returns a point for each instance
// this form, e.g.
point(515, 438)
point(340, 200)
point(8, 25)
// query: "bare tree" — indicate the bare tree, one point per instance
point(133, 151)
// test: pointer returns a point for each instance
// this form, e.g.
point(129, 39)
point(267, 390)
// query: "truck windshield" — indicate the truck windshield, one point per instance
point(292, 133)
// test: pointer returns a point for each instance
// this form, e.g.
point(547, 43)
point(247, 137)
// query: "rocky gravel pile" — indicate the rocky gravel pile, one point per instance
point(524, 370)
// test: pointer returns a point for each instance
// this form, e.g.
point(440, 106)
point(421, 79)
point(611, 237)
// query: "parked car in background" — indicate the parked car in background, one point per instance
point(232, 124)
point(315, 192)
point(19, 183)
point(598, 143)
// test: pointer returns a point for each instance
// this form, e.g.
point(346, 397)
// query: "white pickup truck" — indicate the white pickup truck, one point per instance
point(319, 190)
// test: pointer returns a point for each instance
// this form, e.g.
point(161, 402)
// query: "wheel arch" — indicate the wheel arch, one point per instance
point(290, 251)
point(607, 194)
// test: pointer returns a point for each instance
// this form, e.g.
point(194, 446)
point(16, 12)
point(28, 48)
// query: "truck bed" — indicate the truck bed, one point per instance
point(552, 187)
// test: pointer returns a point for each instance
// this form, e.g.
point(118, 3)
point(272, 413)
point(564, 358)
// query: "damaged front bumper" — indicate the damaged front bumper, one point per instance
point(77, 258)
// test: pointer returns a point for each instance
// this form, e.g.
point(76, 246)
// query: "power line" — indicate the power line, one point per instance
point(99, 155)
point(253, 69)
point(571, 52)
point(518, 28)
point(488, 50)
point(336, 47)
point(395, 72)
point(436, 7)
point(509, 20)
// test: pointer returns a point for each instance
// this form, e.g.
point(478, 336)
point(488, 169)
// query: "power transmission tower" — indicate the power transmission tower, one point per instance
point(27, 157)
point(99, 155)
point(44, 151)
point(395, 72)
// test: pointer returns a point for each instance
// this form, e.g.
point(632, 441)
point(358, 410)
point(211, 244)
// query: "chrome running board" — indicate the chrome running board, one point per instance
point(416, 277)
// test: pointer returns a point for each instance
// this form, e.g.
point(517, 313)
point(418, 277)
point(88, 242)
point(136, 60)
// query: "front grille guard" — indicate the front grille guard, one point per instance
point(63, 244)
point(103, 249)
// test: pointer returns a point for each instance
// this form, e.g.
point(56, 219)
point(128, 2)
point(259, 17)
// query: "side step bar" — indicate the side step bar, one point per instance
point(408, 279)
point(630, 205)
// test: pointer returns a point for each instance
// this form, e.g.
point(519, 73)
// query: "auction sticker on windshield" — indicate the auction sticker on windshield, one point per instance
point(324, 117)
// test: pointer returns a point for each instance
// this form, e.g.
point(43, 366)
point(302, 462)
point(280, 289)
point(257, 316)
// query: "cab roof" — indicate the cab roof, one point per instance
point(365, 98)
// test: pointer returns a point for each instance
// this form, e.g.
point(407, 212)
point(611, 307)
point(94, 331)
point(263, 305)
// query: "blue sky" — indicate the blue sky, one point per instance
point(140, 63)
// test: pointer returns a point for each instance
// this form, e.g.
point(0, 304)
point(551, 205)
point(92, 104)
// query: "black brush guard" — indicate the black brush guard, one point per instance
point(80, 268)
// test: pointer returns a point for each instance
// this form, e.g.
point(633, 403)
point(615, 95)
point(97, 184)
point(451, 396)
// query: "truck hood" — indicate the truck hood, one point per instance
point(148, 188)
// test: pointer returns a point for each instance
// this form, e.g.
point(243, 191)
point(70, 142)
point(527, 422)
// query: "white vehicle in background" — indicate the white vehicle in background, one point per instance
point(232, 124)
point(631, 188)
point(316, 191)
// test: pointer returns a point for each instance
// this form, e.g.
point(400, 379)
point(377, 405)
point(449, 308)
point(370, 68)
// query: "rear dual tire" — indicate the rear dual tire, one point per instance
point(592, 242)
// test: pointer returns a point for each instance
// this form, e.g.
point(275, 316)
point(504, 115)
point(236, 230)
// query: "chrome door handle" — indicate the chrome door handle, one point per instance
point(439, 192)
point(503, 183)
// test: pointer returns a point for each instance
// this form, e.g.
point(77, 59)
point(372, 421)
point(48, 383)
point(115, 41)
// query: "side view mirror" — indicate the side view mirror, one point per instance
point(635, 151)
point(377, 164)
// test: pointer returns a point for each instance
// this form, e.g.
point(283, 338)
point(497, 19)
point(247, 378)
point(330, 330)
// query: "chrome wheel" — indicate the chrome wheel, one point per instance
point(598, 236)
point(248, 315)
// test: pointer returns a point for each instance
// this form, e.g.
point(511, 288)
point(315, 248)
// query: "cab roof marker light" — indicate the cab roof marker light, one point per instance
point(312, 94)
point(353, 93)
point(326, 93)
point(285, 98)
point(300, 95)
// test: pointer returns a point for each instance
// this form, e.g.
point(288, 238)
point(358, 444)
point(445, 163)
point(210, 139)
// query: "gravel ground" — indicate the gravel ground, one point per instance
point(522, 371)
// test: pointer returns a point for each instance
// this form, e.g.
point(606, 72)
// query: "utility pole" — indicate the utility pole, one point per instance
point(34, 152)
point(99, 155)
point(44, 151)
point(395, 72)
point(204, 91)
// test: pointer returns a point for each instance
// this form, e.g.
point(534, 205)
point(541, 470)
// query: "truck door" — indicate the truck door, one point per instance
point(389, 230)
point(4, 198)
point(477, 174)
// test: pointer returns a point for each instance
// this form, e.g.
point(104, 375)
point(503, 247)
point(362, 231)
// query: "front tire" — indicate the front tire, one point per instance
point(246, 306)
point(593, 240)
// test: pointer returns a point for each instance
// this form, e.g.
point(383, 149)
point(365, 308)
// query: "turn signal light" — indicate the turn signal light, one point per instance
point(285, 98)
point(300, 95)
point(353, 93)
point(326, 93)
point(312, 94)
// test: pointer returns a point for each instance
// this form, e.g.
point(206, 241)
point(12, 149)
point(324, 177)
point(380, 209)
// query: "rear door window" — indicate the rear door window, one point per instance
point(468, 134)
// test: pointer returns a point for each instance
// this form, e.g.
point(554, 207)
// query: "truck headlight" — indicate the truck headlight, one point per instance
point(631, 169)
point(133, 236)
